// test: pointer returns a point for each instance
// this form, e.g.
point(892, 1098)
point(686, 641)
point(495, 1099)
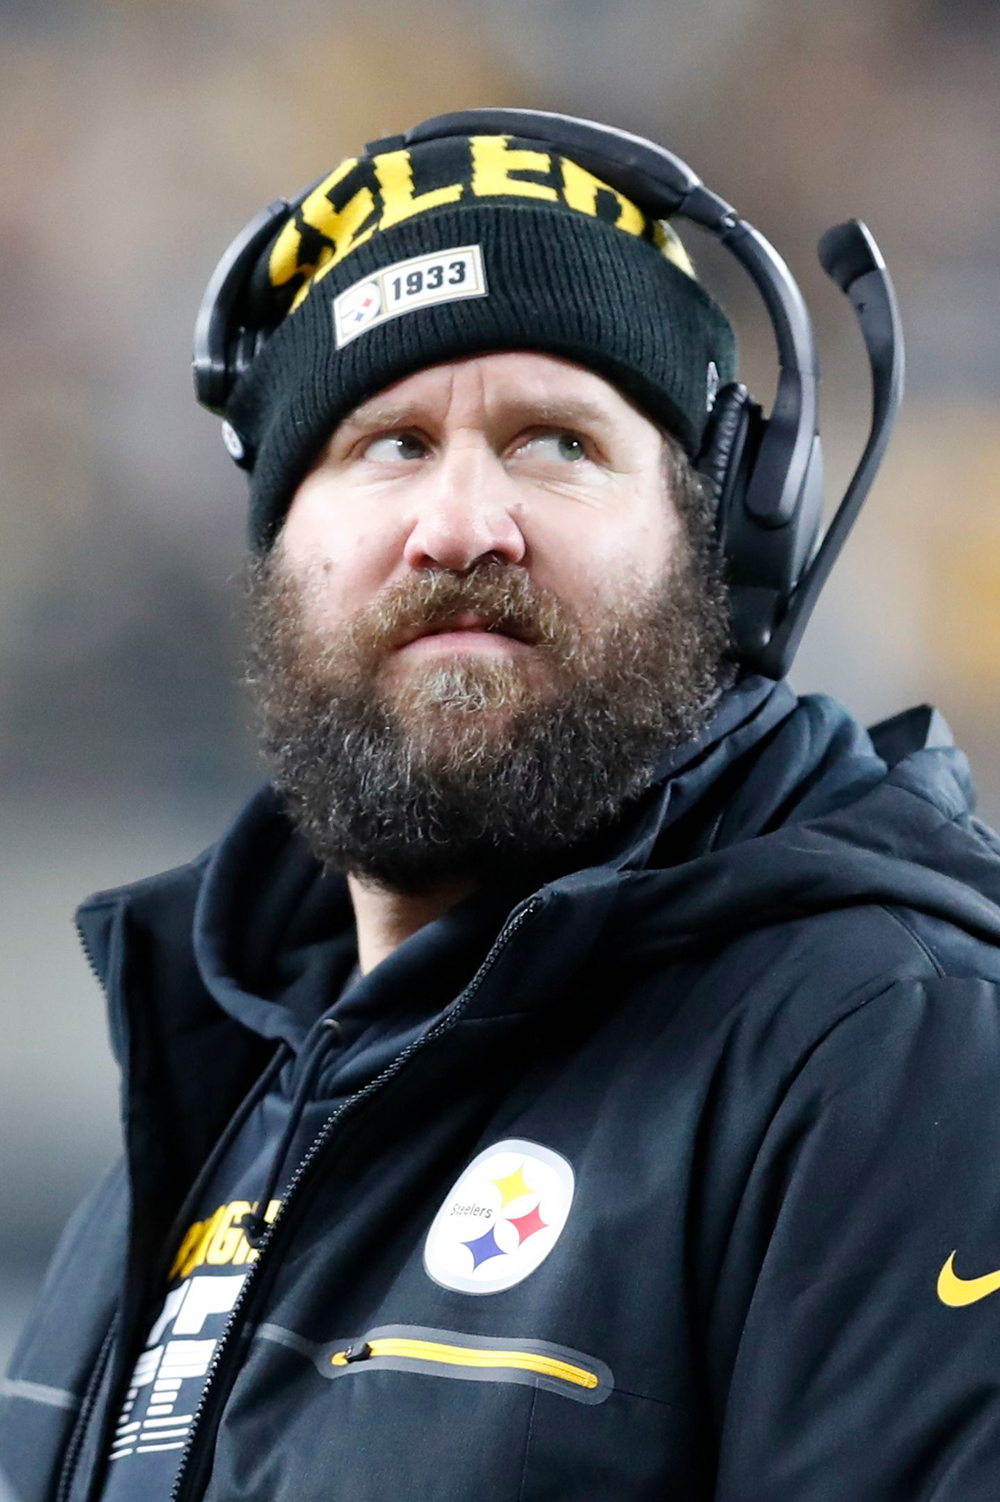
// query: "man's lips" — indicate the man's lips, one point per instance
point(465, 631)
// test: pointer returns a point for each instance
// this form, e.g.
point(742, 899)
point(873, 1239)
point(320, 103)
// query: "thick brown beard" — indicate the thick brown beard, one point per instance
point(466, 768)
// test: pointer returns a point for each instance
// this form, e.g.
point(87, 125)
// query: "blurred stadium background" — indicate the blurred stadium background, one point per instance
point(137, 136)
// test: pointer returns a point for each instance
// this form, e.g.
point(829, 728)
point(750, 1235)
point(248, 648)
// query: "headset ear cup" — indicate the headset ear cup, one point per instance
point(725, 461)
point(722, 446)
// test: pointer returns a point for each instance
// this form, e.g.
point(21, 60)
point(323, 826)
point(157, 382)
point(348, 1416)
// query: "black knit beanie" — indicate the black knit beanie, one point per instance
point(407, 258)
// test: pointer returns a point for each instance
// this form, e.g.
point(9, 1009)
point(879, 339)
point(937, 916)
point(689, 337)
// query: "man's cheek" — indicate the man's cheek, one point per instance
point(332, 595)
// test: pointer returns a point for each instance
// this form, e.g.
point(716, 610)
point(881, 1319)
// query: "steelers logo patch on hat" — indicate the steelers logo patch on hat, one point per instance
point(357, 309)
point(502, 1218)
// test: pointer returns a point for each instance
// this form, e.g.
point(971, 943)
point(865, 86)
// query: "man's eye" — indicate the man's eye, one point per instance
point(566, 448)
point(394, 448)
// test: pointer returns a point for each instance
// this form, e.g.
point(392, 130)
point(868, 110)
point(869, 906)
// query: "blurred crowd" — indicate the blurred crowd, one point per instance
point(136, 138)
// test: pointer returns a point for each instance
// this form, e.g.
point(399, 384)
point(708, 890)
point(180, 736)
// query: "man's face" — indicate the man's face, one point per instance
point(483, 620)
point(522, 458)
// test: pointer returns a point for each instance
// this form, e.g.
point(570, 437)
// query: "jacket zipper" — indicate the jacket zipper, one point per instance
point(89, 957)
point(472, 1356)
point(83, 1417)
point(67, 1471)
point(318, 1145)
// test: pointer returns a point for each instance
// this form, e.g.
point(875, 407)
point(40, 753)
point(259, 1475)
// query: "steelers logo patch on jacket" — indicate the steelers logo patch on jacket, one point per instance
point(502, 1218)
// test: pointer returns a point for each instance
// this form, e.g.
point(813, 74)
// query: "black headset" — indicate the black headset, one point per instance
point(765, 473)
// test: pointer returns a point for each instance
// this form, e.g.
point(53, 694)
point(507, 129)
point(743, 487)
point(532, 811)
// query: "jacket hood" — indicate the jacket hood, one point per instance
point(782, 807)
point(811, 818)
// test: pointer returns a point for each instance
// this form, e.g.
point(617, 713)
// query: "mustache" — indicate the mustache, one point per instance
point(502, 596)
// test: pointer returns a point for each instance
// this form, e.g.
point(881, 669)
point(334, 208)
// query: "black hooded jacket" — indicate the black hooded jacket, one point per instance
point(751, 1054)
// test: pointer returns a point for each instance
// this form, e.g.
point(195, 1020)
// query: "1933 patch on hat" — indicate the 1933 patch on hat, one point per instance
point(443, 276)
point(501, 1219)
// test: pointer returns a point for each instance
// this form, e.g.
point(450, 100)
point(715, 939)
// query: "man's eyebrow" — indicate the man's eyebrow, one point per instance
point(370, 415)
point(552, 412)
point(569, 412)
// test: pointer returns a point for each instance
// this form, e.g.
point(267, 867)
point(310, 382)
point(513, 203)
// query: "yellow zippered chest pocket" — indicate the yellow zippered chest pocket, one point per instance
point(477, 1358)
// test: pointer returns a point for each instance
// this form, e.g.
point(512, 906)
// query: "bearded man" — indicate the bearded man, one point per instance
point(574, 1074)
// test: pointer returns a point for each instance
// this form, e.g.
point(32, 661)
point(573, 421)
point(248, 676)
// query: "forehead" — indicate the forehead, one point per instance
point(515, 384)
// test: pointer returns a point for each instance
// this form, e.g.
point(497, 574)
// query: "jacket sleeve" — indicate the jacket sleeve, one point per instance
point(865, 1364)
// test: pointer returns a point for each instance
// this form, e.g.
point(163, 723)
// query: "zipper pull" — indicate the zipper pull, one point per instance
point(360, 1352)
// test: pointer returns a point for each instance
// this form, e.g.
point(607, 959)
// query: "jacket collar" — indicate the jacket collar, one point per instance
point(163, 906)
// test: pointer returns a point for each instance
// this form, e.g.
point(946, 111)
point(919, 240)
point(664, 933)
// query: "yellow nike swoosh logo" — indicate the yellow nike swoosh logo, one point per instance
point(956, 1292)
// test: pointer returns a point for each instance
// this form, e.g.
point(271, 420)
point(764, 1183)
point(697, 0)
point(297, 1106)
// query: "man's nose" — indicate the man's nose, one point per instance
point(464, 513)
